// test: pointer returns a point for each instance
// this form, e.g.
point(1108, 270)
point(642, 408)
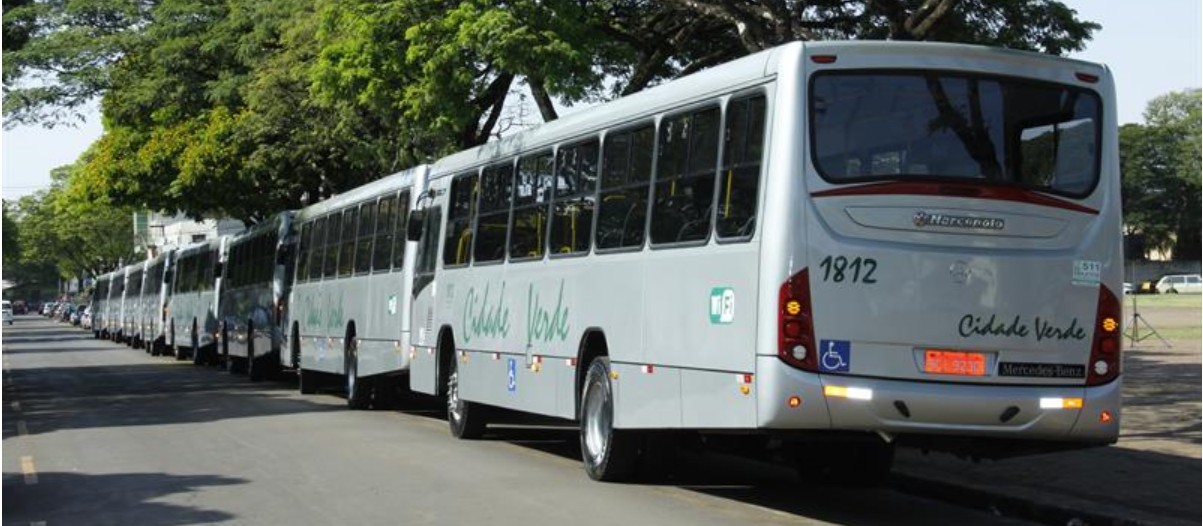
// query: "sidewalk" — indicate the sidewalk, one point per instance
point(1152, 476)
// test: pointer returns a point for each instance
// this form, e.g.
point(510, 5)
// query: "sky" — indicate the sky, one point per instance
point(1152, 47)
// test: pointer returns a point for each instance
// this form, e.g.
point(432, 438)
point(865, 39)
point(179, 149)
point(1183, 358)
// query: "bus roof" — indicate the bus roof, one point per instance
point(385, 184)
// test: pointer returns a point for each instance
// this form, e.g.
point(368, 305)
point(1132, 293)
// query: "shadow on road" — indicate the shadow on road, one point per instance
point(126, 498)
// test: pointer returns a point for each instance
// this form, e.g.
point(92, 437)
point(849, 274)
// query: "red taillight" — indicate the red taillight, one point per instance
point(1106, 348)
point(795, 324)
point(823, 59)
point(1087, 77)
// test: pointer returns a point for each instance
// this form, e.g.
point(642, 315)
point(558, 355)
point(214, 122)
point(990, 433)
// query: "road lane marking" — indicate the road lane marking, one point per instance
point(30, 472)
point(22, 429)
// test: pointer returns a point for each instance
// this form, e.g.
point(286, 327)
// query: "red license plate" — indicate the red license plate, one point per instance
point(954, 362)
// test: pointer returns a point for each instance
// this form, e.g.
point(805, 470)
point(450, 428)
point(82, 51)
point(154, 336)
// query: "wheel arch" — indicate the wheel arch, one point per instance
point(593, 345)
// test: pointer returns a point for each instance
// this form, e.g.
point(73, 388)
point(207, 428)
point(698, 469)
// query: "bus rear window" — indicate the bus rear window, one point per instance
point(903, 125)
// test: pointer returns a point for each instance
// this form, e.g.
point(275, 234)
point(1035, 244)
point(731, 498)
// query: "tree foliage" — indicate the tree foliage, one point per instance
point(1159, 161)
point(243, 107)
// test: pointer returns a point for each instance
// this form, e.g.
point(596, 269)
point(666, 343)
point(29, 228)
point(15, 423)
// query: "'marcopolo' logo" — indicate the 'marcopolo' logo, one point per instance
point(924, 219)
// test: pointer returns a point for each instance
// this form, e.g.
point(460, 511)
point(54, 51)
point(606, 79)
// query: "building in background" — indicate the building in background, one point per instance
point(154, 231)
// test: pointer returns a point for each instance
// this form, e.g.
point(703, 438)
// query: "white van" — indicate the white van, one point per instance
point(1180, 283)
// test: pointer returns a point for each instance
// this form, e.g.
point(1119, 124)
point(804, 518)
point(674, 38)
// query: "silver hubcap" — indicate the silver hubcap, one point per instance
point(598, 423)
point(455, 409)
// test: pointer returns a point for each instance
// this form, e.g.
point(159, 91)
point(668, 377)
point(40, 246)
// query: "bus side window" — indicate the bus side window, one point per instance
point(333, 229)
point(317, 253)
point(303, 251)
point(494, 216)
point(685, 177)
point(626, 170)
point(461, 207)
point(532, 191)
point(739, 179)
point(382, 251)
point(346, 255)
point(367, 224)
point(399, 240)
point(574, 200)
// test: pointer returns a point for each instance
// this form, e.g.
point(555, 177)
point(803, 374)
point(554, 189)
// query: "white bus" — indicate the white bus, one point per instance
point(112, 315)
point(192, 325)
point(131, 303)
point(869, 243)
point(349, 306)
point(155, 291)
point(256, 278)
point(100, 301)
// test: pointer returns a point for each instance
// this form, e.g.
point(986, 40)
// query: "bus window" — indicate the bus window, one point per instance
point(317, 253)
point(532, 191)
point(333, 229)
point(685, 177)
point(427, 249)
point(576, 182)
point(303, 251)
point(382, 252)
point(399, 234)
point(346, 255)
point(494, 216)
point(460, 209)
point(363, 251)
point(739, 179)
point(626, 169)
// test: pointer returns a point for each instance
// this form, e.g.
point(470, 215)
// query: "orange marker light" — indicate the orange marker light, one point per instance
point(793, 307)
point(794, 401)
point(1109, 324)
point(1105, 417)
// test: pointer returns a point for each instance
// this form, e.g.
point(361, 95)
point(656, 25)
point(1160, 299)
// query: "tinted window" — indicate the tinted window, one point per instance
point(333, 230)
point(907, 125)
point(461, 207)
point(739, 180)
point(303, 251)
point(399, 234)
point(367, 226)
point(626, 169)
point(575, 197)
point(318, 252)
point(494, 216)
point(382, 252)
point(532, 193)
point(685, 177)
point(346, 255)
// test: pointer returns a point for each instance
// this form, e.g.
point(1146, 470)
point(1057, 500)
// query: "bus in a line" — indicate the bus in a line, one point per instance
point(192, 324)
point(255, 285)
point(349, 304)
point(99, 305)
point(843, 245)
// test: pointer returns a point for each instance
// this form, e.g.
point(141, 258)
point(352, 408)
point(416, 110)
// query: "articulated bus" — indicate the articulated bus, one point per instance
point(349, 306)
point(843, 246)
point(100, 300)
point(255, 285)
point(192, 322)
point(154, 297)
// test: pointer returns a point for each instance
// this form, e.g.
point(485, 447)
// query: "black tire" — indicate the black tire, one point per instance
point(610, 455)
point(468, 420)
point(308, 381)
point(359, 390)
point(855, 463)
point(198, 353)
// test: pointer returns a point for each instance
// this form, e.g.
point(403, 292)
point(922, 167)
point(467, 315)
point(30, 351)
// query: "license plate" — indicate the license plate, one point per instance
point(954, 362)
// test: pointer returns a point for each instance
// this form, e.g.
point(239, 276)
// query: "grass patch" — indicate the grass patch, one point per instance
point(1176, 333)
point(1194, 301)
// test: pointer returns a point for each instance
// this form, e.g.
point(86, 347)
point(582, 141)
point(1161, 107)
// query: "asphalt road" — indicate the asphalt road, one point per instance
point(97, 433)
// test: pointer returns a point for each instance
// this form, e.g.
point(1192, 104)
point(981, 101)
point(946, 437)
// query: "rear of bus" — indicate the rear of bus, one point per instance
point(951, 248)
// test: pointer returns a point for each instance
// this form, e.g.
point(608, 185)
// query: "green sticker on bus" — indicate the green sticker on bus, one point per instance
point(722, 305)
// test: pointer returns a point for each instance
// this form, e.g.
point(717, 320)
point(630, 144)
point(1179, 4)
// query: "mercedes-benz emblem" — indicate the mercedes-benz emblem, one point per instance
point(960, 272)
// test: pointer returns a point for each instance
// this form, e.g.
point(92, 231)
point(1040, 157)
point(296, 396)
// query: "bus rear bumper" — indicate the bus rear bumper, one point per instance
point(895, 407)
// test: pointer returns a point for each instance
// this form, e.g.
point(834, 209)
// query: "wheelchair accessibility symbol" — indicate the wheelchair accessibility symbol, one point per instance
point(835, 355)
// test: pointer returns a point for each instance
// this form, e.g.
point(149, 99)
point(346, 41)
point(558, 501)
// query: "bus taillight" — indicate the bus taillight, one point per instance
point(1106, 347)
point(795, 327)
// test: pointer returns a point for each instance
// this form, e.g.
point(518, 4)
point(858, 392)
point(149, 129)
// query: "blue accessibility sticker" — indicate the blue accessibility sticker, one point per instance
point(512, 383)
point(835, 355)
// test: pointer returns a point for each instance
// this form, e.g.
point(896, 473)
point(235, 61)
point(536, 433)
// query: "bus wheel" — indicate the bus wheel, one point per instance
point(468, 420)
point(359, 390)
point(609, 454)
point(198, 354)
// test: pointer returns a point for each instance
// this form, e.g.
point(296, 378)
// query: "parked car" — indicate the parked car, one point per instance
point(85, 319)
point(48, 308)
point(1128, 288)
point(20, 307)
point(1180, 283)
point(8, 312)
point(64, 312)
point(77, 314)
